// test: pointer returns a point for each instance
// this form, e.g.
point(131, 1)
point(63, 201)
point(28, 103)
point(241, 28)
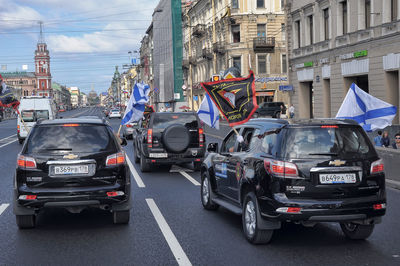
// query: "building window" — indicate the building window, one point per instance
point(283, 31)
point(367, 14)
point(42, 85)
point(262, 64)
point(298, 33)
point(235, 33)
point(237, 62)
point(235, 4)
point(344, 16)
point(326, 23)
point(284, 65)
point(282, 4)
point(311, 28)
point(261, 30)
point(260, 3)
point(393, 12)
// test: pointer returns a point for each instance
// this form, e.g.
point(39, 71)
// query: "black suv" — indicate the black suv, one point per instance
point(304, 171)
point(169, 138)
point(272, 109)
point(73, 164)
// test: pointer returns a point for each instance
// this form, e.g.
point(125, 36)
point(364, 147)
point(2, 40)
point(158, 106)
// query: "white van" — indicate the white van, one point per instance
point(33, 108)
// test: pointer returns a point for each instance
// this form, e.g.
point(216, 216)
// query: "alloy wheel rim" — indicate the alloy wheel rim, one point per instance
point(205, 191)
point(250, 218)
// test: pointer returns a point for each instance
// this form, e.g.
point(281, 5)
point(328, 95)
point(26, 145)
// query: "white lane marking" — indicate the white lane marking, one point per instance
point(8, 137)
point(8, 143)
point(188, 177)
point(135, 174)
point(169, 236)
point(3, 207)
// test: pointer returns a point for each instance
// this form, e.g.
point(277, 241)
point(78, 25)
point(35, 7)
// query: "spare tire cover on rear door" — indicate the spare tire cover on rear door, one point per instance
point(176, 138)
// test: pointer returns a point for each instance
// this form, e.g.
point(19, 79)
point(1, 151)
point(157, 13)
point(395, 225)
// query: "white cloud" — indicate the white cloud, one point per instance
point(14, 16)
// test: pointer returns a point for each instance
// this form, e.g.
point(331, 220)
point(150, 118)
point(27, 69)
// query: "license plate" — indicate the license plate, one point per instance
point(158, 155)
point(337, 178)
point(71, 169)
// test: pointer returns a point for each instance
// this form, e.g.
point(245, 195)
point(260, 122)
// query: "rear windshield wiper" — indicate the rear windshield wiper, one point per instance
point(327, 153)
point(58, 149)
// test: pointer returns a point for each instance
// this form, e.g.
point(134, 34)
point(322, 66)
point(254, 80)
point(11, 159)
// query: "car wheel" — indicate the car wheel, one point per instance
point(197, 166)
point(251, 224)
point(135, 154)
point(357, 231)
point(21, 141)
point(144, 167)
point(205, 192)
point(121, 217)
point(26, 221)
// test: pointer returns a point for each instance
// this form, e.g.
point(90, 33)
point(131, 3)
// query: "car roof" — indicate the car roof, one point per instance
point(300, 122)
point(78, 120)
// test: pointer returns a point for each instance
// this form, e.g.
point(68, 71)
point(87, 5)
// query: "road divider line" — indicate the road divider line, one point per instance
point(8, 137)
point(169, 236)
point(8, 143)
point(188, 177)
point(3, 207)
point(135, 174)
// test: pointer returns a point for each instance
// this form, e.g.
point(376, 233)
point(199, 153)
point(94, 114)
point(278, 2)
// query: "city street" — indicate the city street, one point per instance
point(169, 226)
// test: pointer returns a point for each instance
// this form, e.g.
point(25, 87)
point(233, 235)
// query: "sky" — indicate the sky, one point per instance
point(86, 38)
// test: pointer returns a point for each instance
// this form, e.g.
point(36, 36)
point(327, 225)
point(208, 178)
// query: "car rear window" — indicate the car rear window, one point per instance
point(34, 115)
point(314, 142)
point(75, 137)
point(163, 120)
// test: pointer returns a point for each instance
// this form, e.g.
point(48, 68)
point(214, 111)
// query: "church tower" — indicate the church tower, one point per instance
point(42, 67)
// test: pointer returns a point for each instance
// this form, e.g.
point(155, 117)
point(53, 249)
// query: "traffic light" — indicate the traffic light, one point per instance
point(216, 77)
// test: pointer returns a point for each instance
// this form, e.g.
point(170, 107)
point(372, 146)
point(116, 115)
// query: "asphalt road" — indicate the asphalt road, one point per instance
point(169, 226)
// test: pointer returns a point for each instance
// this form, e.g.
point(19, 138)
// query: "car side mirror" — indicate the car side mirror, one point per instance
point(124, 142)
point(212, 147)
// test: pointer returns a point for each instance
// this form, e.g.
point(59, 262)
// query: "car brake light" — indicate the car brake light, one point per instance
point(379, 206)
point(128, 125)
point(25, 162)
point(150, 138)
point(289, 210)
point(281, 169)
point(18, 128)
point(27, 197)
point(115, 159)
point(377, 167)
point(329, 126)
point(201, 137)
point(70, 125)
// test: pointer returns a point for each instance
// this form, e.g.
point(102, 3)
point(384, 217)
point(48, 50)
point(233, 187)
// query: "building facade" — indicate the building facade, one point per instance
point(75, 97)
point(146, 69)
point(62, 96)
point(332, 44)
point(249, 35)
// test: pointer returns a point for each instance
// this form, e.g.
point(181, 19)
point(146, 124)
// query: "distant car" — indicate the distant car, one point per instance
point(127, 130)
point(115, 113)
point(169, 138)
point(270, 109)
point(304, 171)
point(74, 164)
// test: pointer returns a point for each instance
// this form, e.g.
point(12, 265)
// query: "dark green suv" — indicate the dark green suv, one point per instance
point(271, 109)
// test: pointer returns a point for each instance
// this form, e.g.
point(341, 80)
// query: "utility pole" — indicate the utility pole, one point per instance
point(214, 36)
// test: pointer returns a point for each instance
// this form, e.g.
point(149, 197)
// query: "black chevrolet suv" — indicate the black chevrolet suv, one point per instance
point(169, 138)
point(73, 164)
point(306, 172)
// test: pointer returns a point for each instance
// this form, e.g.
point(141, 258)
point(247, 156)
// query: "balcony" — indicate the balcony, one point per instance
point(264, 44)
point(198, 30)
point(218, 48)
point(185, 63)
point(192, 60)
point(207, 54)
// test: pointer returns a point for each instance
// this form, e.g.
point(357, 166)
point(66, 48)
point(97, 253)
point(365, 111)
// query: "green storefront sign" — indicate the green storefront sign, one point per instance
point(360, 53)
point(308, 64)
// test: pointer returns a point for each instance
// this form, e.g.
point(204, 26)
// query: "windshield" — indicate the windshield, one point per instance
point(163, 120)
point(312, 142)
point(59, 138)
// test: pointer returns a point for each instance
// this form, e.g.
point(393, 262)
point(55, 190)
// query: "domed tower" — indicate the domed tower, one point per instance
point(42, 67)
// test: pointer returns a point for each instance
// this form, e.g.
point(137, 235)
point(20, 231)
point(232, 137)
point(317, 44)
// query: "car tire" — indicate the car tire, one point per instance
point(21, 141)
point(277, 115)
point(197, 166)
point(144, 167)
point(357, 231)
point(205, 194)
point(250, 222)
point(121, 217)
point(26, 221)
point(135, 154)
point(176, 138)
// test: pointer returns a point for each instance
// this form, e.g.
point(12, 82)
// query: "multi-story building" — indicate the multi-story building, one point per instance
point(146, 61)
point(332, 44)
point(84, 99)
point(75, 96)
point(103, 99)
point(249, 35)
point(61, 95)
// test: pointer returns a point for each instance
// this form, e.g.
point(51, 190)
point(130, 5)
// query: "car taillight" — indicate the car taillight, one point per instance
point(281, 169)
point(115, 159)
point(149, 138)
point(18, 129)
point(25, 162)
point(201, 137)
point(27, 197)
point(379, 206)
point(288, 210)
point(377, 167)
point(128, 125)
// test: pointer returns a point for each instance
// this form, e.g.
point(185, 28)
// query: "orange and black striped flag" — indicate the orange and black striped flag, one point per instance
point(235, 98)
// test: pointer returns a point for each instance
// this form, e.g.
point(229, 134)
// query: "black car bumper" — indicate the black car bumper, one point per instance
point(190, 155)
point(335, 210)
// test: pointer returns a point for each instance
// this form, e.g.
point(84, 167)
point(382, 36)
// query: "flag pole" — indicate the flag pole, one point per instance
point(22, 120)
point(119, 130)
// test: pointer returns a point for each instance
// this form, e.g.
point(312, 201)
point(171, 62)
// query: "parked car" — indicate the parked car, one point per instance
point(169, 138)
point(305, 171)
point(270, 109)
point(73, 163)
point(114, 113)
